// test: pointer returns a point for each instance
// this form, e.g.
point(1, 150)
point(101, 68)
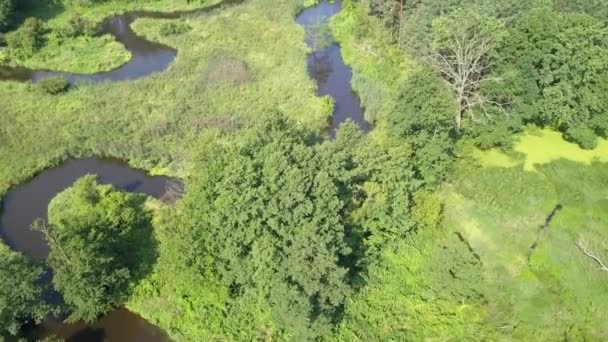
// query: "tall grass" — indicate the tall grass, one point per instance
point(152, 121)
point(538, 283)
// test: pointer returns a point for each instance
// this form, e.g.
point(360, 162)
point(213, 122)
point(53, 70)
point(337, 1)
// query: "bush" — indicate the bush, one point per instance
point(7, 9)
point(583, 136)
point(78, 26)
point(54, 85)
point(171, 29)
point(115, 228)
point(28, 39)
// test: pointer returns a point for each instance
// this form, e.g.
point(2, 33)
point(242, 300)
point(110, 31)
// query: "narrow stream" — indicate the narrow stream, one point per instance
point(147, 57)
point(28, 201)
point(332, 75)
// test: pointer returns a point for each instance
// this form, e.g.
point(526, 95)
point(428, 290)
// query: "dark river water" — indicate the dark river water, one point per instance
point(28, 201)
point(332, 76)
point(147, 57)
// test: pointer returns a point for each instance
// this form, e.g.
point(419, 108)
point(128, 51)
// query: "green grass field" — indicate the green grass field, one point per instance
point(151, 122)
point(551, 290)
point(86, 54)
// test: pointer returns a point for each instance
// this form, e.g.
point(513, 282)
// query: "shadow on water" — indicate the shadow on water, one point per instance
point(29, 201)
point(147, 57)
point(332, 75)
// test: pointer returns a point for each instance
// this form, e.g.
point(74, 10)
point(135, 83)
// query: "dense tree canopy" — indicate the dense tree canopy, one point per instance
point(291, 222)
point(21, 294)
point(556, 66)
point(424, 118)
point(93, 232)
point(7, 8)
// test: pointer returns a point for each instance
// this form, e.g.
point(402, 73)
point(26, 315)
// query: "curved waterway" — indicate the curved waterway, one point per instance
point(147, 57)
point(28, 201)
point(332, 75)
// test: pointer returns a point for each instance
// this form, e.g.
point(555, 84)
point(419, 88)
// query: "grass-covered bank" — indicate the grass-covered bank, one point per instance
point(378, 65)
point(228, 72)
point(67, 40)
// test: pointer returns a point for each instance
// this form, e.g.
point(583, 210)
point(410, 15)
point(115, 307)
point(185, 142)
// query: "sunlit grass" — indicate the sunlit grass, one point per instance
point(553, 290)
point(154, 120)
point(89, 54)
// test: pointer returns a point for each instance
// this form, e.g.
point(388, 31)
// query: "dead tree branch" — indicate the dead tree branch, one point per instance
point(584, 248)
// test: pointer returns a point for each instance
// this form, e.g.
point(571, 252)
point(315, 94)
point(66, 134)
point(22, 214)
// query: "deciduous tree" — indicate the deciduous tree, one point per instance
point(95, 234)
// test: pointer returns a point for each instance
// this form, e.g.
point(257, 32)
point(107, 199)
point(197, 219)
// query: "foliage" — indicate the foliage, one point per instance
point(78, 26)
point(54, 85)
point(424, 287)
point(171, 28)
point(99, 242)
point(28, 39)
point(7, 8)
point(278, 229)
point(423, 118)
point(556, 66)
point(21, 292)
point(268, 210)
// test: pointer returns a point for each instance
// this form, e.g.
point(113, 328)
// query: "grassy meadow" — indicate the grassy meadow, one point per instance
point(85, 54)
point(539, 282)
point(232, 67)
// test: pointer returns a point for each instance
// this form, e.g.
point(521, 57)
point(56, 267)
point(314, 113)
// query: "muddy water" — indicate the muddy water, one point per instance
point(28, 201)
point(146, 57)
point(332, 75)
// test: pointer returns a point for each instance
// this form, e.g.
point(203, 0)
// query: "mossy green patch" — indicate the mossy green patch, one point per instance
point(538, 147)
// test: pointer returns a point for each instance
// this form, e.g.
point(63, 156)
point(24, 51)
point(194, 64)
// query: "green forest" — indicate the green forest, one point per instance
point(475, 208)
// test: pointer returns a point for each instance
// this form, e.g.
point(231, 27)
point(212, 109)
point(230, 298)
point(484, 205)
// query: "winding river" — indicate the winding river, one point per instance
point(147, 57)
point(28, 201)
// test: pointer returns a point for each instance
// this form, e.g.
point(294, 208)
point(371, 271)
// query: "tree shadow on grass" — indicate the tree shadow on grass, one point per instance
point(41, 9)
point(139, 247)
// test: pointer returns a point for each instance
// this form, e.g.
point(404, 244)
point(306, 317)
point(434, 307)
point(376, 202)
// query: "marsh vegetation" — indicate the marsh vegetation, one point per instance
point(475, 209)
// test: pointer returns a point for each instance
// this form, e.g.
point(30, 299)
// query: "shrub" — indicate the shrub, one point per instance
point(171, 29)
point(583, 136)
point(7, 9)
point(28, 39)
point(54, 85)
point(78, 26)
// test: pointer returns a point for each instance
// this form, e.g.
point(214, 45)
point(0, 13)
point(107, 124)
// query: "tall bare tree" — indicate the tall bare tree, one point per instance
point(461, 51)
point(319, 34)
